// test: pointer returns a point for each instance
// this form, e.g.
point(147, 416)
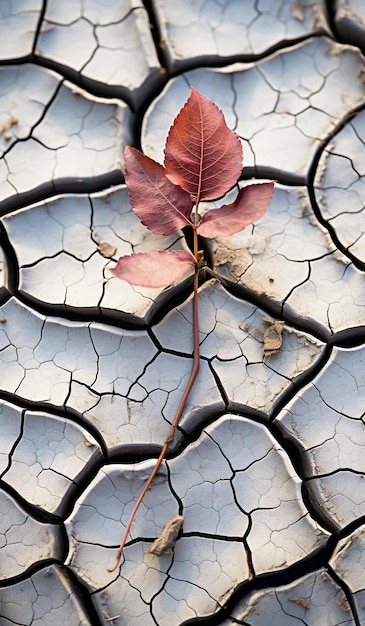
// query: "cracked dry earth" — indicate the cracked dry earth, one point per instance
point(268, 465)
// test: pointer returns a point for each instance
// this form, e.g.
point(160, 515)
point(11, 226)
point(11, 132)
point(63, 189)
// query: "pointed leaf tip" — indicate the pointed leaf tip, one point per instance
point(155, 268)
point(161, 206)
point(249, 206)
point(202, 155)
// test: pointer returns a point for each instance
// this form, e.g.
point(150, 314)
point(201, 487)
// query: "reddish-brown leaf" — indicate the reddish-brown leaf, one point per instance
point(156, 268)
point(161, 206)
point(251, 203)
point(202, 155)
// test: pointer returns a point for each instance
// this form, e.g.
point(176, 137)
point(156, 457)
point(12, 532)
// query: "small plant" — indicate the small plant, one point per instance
point(203, 161)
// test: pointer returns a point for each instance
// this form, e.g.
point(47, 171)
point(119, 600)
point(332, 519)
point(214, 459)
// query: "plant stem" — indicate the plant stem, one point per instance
point(171, 433)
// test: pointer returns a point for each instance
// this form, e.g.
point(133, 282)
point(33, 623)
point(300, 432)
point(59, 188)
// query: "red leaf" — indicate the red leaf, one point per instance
point(161, 206)
point(202, 155)
point(250, 204)
point(156, 268)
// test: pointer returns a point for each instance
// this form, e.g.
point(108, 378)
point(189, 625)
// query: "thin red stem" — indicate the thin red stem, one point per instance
point(174, 425)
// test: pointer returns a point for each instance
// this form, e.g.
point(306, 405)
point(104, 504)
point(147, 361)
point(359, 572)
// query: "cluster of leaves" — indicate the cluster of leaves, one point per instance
point(203, 161)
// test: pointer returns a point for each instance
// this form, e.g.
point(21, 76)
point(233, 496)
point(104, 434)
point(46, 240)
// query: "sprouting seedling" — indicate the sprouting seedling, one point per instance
point(203, 161)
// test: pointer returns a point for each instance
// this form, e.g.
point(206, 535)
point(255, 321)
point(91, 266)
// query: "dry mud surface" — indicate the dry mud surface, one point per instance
point(268, 465)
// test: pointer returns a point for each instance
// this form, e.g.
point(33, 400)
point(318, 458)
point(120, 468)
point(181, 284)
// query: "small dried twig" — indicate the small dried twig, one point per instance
point(164, 544)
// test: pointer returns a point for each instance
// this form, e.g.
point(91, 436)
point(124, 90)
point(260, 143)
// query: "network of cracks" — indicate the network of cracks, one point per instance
point(267, 467)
